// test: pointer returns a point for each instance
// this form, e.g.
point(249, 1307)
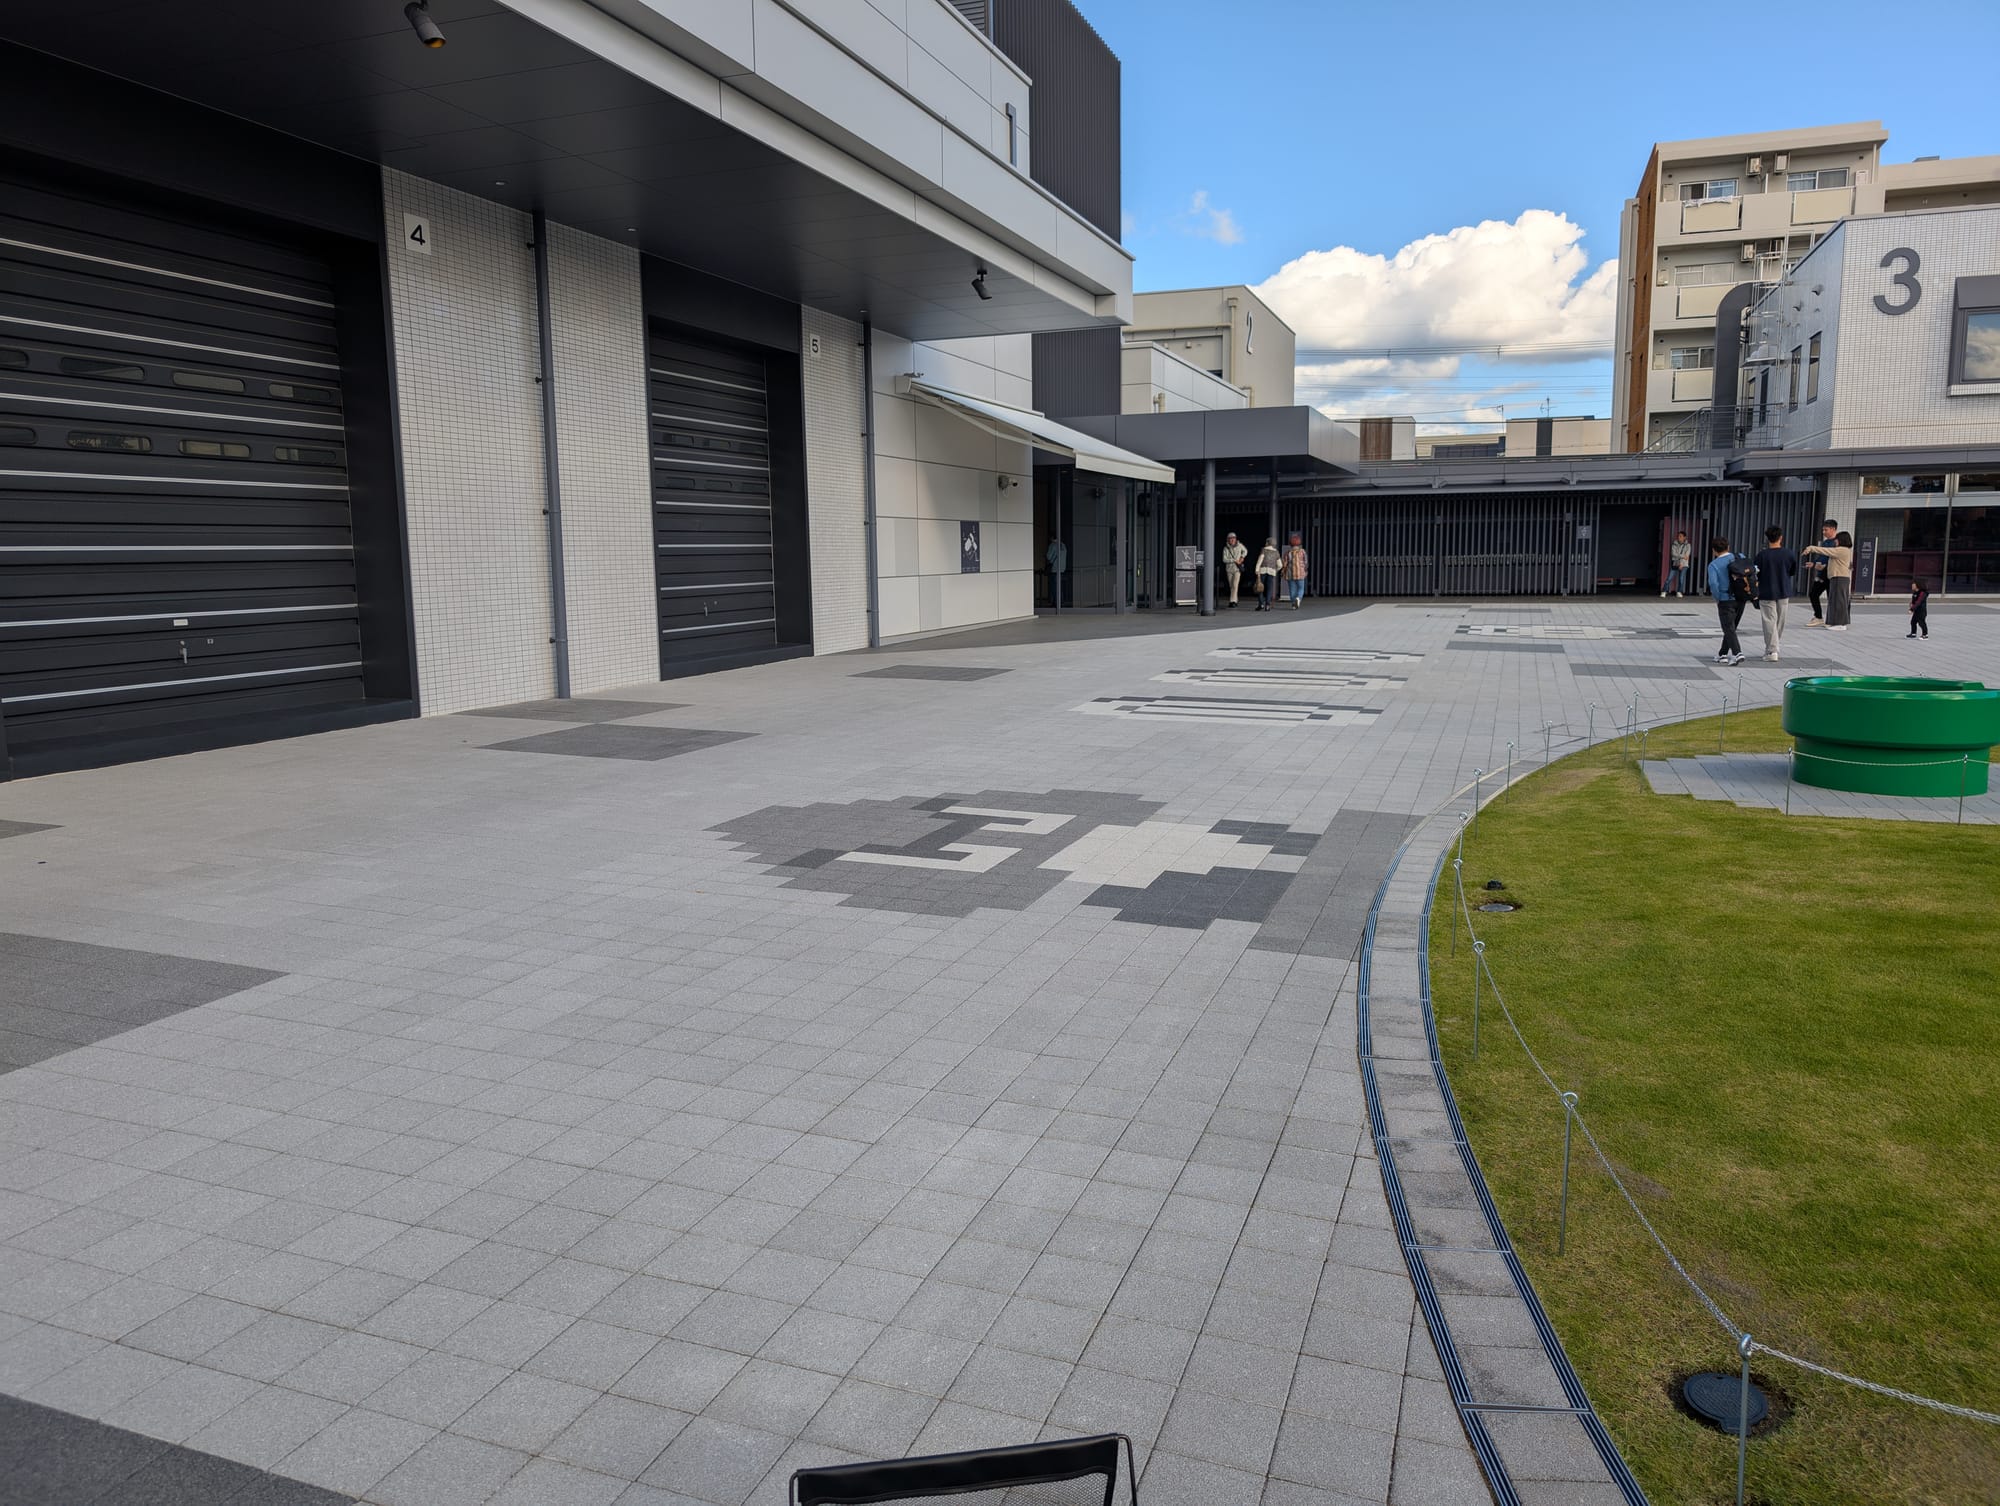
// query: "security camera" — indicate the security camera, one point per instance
point(419, 14)
point(979, 284)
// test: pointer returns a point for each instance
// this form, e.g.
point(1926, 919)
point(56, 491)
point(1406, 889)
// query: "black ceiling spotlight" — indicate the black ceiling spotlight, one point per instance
point(979, 284)
point(419, 14)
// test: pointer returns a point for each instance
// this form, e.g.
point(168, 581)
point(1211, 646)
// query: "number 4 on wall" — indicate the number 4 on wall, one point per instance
point(417, 234)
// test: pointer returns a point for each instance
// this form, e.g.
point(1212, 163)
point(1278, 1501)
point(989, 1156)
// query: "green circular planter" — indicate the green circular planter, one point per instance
point(1878, 735)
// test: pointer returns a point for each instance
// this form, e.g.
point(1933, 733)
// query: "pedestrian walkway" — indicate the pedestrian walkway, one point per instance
point(1761, 781)
point(635, 1099)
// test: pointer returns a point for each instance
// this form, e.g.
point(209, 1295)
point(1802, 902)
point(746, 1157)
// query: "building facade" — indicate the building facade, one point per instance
point(1713, 214)
point(343, 377)
point(1873, 370)
point(1229, 333)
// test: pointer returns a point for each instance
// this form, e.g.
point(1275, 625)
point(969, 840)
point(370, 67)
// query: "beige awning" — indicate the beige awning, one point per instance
point(1025, 426)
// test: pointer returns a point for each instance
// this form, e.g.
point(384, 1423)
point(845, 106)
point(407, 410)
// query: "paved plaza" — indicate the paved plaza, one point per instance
point(638, 1099)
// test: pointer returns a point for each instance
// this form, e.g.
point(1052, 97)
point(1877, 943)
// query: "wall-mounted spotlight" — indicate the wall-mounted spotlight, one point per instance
point(1009, 481)
point(979, 284)
point(419, 14)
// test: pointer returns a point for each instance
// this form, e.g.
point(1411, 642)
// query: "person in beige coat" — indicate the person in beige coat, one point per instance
point(1839, 557)
point(1233, 556)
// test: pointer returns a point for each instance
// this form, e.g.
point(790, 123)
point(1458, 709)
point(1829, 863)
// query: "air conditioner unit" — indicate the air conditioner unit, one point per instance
point(1749, 251)
point(1780, 162)
point(1664, 279)
point(1756, 166)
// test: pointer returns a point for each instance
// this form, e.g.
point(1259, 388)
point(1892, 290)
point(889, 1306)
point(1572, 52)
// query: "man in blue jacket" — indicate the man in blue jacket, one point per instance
point(1728, 609)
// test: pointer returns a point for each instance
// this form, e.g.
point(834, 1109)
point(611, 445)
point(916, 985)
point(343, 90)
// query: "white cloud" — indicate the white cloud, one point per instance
point(1391, 334)
point(1203, 219)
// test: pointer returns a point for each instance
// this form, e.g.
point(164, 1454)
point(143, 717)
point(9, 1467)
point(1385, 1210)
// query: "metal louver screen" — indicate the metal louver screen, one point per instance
point(711, 452)
point(975, 11)
point(175, 537)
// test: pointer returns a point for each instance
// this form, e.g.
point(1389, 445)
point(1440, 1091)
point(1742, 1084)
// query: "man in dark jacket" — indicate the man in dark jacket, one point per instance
point(1728, 610)
point(1817, 591)
point(1777, 570)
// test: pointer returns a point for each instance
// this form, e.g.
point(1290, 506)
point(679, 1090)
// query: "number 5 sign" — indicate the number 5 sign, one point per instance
point(417, 234)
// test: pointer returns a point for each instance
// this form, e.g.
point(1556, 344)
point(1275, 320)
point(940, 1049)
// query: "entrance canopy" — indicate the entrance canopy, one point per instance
point(1026, 426)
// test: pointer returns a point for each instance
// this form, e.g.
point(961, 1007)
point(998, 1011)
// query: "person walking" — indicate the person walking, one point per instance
point(1233, 555)
point(1295, 572)
point(1269, 563)
point(1920, 610)
point(1777, 573)
point(1678, 555)
point(1816, 590)
point(1728, 606)
point(1839, 557)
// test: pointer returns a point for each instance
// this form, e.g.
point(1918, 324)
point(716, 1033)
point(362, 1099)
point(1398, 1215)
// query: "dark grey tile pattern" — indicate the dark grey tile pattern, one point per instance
point(1492, 647)
point(58, 995)
point(50, 1458)
point(611, 740)
point(1642, 671)
point(1005, 849)
point(584, 709)
point(929, 672)
point(22, 828)
point(1325, 910)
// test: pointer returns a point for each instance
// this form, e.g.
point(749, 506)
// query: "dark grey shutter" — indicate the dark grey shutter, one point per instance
point(711, 447)
point(175, 537)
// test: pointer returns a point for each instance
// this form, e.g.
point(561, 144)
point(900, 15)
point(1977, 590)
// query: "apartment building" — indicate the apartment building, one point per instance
point(1713, 214)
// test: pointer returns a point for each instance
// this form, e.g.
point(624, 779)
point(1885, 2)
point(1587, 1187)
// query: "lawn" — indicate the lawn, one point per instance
point(1786, 1033)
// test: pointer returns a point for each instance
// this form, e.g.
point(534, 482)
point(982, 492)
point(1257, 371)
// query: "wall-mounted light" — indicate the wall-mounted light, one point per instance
point(1007, 481)
point(419, 14)
point(979, 284)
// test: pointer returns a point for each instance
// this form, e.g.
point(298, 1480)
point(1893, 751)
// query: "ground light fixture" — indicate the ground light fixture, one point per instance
point(419, 14)
point(979, 285)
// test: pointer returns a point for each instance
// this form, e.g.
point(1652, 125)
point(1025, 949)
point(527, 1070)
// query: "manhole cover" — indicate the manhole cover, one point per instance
point(1498, 907)
point(1717, 1399)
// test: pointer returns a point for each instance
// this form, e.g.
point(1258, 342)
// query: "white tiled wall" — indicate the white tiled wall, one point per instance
point(836, 501)
point(933, 471)
point(602, 450)
point(466, 360)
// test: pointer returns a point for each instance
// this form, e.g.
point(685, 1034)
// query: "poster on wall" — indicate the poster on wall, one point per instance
point(968, 548)
point(1864, 567)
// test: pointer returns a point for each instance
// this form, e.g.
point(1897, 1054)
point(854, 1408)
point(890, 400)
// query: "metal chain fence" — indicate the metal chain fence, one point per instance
point(1633, 735)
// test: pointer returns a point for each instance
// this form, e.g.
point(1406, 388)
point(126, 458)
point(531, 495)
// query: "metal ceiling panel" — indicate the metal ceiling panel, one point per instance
point(512, 112)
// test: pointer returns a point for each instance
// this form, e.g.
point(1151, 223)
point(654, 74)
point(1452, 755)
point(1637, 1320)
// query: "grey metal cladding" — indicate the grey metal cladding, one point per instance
point(1076, 372)
point(1073, 119)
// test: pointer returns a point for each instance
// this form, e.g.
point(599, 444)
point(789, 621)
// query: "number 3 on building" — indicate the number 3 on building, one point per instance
point(1905, 279)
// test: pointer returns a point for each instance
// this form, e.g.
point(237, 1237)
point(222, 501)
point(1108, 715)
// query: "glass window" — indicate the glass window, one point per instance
point(1691, 357)
point(1801, 182)
point(303, 394)
point(208, 381)
point(1812, 370)
point(11, 357)
point(1979, 346)
point(1978, 481)
point(1973, 560)
point(1833, 177)
point(16, 434)
point(1792, 373)
point(106, 371)
point(1693, 191)
point(1721, 188)
point(215, 449)
point(130, 444)
point(1929, 484)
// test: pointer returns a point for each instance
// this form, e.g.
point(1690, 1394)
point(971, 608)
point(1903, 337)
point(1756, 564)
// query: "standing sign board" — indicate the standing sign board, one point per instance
point(968, 548)
point(1864, 567)
point(1187, 575)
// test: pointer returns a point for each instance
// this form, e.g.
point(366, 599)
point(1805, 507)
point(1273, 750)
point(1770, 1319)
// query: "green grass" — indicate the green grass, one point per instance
point(1786, 1034)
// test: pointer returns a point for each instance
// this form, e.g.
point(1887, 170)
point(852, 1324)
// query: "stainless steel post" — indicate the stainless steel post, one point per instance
point(1562, 1224)
point(1510, 770)
point(1722, 724)
point(1744, 1346)
point(1590, 730)
point(1478, 966)
point(1964, 768)
point(1477, 775)
point(1458, 894)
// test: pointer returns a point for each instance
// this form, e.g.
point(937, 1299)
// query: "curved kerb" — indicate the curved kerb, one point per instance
point(1523, 1408)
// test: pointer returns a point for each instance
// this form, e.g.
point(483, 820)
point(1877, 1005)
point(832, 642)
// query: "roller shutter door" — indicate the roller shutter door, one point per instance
point(711, 448)
point(175, 539)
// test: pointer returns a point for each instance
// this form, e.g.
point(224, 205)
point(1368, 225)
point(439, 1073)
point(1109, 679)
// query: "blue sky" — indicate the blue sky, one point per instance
point(1262, 130)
